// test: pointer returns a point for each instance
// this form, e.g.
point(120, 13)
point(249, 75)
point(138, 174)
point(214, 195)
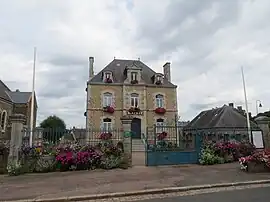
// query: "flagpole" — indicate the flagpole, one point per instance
point(33, 100)
point(246, 103)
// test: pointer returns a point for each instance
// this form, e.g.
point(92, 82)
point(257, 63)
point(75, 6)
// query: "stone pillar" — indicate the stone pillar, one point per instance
point(17, 122)
point(127, 142)
point(263, 122)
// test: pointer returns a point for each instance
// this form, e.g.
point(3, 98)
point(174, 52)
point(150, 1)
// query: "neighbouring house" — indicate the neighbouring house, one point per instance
point(130, 87)
point(182, 123)
point(221, 120)
point(14, 102)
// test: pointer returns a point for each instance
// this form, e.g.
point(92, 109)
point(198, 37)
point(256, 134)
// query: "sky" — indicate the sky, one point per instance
point(206, 41)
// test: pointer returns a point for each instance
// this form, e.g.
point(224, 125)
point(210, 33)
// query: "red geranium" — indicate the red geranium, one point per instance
point(162, 136)
point(108, 80)
point(109, 109)
point(160, 110)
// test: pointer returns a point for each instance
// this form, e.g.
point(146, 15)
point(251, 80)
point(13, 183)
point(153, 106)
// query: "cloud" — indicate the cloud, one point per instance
point(206, 42)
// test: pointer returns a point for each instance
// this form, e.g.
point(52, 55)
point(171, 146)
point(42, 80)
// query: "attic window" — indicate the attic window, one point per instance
point(158, 79)
point(134, 76)
point(107, 77)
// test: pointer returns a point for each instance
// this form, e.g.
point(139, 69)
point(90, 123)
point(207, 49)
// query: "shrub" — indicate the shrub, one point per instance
point(14, 168)
point(208, 157)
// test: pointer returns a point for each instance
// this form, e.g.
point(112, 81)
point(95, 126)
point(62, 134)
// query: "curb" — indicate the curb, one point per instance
point(146, 192)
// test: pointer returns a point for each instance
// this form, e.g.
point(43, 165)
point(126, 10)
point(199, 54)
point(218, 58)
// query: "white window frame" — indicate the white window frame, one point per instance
point(134, 76)
point(107, 75)
point(107, 99)
point(3, 120)
point(160, 125)
point(158, 78)
point(160, 100)
point(106, 125)
point(134, 97)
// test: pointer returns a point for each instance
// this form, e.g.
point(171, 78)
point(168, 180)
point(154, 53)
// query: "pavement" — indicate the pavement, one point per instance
point(259, 194)
point(78, 183)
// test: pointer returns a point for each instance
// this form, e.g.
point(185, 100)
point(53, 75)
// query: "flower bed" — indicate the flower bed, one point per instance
point(256, 162)
point(225, 152)
point(67, 157)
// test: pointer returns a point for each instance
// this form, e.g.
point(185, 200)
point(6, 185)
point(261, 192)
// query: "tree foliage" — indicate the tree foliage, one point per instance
point(53, 122)
point(54, 128)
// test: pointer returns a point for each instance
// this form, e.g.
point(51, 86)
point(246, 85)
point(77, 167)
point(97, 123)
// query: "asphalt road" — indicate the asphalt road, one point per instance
point(246, 195)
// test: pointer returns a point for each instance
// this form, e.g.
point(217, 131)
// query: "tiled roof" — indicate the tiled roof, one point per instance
point(118, 66)
point(13, 96)
point(19, 97)
point(3, 90)
point(223, 117)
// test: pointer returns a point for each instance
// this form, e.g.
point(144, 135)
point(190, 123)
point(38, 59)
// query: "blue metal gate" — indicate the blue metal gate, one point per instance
point(169, 145)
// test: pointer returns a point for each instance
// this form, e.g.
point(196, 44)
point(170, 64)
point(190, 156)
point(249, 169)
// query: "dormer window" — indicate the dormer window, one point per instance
point(134, 77)
point(107, 77)
point(158, 79)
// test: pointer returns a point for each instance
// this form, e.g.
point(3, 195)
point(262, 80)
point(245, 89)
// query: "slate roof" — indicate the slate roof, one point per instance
point(223, 117)
point(118, 66)
point(16, 97)
point(3, 90)
point(19, 97)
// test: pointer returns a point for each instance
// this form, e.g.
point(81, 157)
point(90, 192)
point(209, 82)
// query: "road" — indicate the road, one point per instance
point(245, 195)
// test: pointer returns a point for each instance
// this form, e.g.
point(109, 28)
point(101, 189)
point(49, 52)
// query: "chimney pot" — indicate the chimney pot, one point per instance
point(231, 104)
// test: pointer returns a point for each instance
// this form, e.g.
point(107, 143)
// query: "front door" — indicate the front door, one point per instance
point(136, 128)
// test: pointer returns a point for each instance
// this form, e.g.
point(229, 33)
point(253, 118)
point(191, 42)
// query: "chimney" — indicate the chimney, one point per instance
point(167, 71)
point(91, 67)
point(231, 104)
point(17, 90)
point(240, 108)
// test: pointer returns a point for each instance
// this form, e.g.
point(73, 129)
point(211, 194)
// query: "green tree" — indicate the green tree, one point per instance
point(54, 128)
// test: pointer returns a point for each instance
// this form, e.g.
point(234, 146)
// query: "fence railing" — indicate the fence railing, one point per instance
point(81, 136)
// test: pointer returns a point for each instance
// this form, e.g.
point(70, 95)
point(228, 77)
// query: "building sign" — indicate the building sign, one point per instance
point(135, 113)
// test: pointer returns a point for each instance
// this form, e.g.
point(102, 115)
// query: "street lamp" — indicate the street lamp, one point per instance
point(258, 104)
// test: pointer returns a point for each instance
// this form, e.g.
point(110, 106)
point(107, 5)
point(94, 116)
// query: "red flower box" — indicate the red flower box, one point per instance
point(162, 136)
point(108, 80)
point(108, 109)
point(105, 136)
point(134, 109)
point(160, 110)
point(134, 82)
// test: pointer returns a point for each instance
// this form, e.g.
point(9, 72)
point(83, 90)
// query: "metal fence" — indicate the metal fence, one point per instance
point(174, 136)
point(82, 136)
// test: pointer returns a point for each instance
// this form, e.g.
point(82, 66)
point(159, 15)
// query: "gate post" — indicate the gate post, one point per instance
point(263, 123)
point(127, 142)
point(17, 123)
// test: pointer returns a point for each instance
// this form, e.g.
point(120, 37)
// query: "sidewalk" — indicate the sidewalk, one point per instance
point(137, 178)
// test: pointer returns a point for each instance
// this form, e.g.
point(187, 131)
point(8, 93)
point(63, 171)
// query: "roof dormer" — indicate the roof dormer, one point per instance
point(107, 77)
point(158, 79)
point(133, 73)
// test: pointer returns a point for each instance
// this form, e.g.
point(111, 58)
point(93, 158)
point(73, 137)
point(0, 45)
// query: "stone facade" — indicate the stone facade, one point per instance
point(15, 102)
point(121, 92)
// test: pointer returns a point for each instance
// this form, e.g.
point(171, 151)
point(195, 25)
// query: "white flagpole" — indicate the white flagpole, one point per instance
point(33, 100)
point(246, 103)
